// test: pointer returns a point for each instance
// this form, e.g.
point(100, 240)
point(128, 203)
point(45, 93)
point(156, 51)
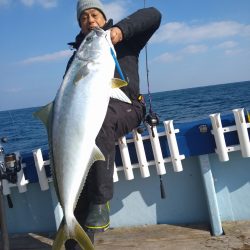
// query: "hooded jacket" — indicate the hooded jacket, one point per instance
point(137, 29)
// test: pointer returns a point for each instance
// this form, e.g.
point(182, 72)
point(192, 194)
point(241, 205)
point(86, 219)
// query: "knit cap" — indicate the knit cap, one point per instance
point(89, 4)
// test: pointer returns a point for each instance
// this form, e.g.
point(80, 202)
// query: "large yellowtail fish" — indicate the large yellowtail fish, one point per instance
point(73, 121)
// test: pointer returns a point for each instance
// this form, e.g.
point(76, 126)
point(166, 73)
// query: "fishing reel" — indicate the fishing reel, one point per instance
point(10, 165)
point(152, 119)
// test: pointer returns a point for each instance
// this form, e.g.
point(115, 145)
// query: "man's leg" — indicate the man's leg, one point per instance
point(121, 118)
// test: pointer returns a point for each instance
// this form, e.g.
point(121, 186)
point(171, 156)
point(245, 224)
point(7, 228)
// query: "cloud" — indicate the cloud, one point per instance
point(48, 57)
point(177, 32)
point(168, 58)
point(12, 90)
point(227, 45)
point(4, 2)
point(44, 3)
point(232, 52)
point(116, 10)
point(179, 55)
point(194, 49)
point(230, 48)
point(29, 3)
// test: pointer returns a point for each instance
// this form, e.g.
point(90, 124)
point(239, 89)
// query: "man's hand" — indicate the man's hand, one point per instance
point(116, 35)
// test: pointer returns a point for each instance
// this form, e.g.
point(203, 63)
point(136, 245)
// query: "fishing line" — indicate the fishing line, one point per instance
point(147, 74)
point(4, 139)
point(151, 118)
point(14, 126)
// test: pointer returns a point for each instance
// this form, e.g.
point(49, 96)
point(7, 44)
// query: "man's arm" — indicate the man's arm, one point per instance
point(140, 26)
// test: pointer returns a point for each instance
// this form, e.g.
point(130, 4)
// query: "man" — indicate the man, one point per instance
point(129, 37)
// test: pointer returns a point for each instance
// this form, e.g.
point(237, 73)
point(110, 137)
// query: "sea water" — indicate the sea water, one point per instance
point(25, 132)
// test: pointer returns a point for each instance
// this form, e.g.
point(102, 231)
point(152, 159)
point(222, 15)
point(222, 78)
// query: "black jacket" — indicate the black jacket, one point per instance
point(137, 30)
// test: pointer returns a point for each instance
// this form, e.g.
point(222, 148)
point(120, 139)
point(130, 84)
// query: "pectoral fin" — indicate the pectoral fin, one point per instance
point(81, 74)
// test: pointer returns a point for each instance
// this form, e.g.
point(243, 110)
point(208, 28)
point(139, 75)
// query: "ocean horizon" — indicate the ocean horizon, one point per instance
point(25, 132)
point(146, 94)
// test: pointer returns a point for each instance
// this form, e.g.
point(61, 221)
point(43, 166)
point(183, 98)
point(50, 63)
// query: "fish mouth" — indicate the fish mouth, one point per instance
point(99, 31)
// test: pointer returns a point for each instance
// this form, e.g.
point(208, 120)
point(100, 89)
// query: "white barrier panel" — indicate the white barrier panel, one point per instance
point(39, 163)
point(6, 187)
point(242, 130)
point(159, 162)
point(21, 181)
point(140, 151)
point(128, 170)
point(218, 133)
point(173, 146)
point(241, 126)
point(115, 174)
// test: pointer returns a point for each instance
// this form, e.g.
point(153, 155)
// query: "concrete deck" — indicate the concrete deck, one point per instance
point(168, 237)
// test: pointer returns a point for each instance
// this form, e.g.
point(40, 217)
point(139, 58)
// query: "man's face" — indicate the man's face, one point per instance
point(90, 19)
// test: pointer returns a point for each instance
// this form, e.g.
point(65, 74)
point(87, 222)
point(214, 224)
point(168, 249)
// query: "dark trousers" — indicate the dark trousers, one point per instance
point(120, 119)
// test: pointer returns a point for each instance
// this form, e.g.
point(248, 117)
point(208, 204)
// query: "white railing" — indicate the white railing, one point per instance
point(143, 164)
point(240, 126)
point(127, 167)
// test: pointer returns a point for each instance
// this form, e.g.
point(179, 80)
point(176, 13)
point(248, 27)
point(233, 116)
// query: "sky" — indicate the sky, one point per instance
point(199, 43)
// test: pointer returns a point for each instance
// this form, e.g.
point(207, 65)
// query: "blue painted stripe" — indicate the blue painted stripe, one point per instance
point(117, 64)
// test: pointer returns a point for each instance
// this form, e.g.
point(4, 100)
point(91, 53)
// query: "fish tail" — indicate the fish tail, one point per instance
point(61, 237)
point(82, 238)
point(78, 235)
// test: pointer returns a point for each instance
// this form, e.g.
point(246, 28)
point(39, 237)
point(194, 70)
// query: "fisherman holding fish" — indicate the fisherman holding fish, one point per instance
point(129, 36)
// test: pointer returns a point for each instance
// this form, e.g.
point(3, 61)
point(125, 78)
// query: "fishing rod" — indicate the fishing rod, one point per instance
point(10, 165)
point(152, 118)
